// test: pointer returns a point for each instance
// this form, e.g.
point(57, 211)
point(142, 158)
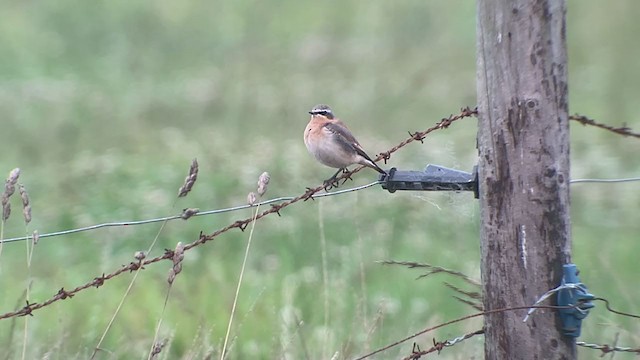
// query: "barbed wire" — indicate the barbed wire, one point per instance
point(438, 346)
point(417, 353)
point(419, 136)
point(623, 130)
point(63, 294)
point(181, 216)
point(608, 348)
point(501, 310)
point(460, 319)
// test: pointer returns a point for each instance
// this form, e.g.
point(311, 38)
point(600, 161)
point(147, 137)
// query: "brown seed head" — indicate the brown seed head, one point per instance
point(6, 211)
point(189, 180)
point(10, 184)
point(252, 198)
point(26, 207)
point(263, 181)
point(24, 195)
point(9, 189)
point(178, 256)
point(178, 253)
point(26, 213)
point(171, 277)
point(14, 175)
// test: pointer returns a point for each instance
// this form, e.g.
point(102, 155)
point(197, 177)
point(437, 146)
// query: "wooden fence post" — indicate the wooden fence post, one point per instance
point(523, 143)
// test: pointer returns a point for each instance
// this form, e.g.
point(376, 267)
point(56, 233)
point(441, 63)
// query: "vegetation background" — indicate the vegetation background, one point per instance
point(104, 104)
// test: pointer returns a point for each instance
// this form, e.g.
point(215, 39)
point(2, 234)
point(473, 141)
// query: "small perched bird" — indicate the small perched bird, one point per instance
point(329, 140)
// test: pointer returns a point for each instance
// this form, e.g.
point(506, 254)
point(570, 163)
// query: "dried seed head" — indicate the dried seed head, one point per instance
point(9, 189)
point(10, 184)
point(171, 277)
point(6, 211)
point(263, 181)
point(189, 180)
point(24, 195)
point(26, 212)
point(35, 237)
point(140, 255)
point(178, 255)
point(189, 212)
point(26, 207)
point(14, 175)
point(252, 198)
point(177, 268)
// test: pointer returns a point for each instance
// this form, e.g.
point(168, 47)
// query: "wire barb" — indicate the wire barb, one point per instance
point(438, 346)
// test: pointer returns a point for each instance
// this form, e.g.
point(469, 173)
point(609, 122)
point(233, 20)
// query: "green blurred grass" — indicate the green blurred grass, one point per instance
point(103, 106)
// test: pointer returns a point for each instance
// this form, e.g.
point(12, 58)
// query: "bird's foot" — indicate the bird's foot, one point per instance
point(348, 177)
point(331, 183)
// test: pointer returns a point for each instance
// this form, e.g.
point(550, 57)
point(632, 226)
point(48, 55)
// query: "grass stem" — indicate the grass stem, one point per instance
point(235, 298)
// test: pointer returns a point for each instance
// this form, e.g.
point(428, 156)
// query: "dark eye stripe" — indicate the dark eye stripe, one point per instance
point(325, 113)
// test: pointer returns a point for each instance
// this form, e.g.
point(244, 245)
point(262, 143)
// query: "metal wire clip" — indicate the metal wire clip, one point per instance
point(433, 178)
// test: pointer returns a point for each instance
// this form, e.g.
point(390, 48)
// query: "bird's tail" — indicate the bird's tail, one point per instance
point(374, 166)
point(366, 160)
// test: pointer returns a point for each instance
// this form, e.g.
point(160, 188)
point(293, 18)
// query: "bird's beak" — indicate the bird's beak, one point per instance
point(310, 112)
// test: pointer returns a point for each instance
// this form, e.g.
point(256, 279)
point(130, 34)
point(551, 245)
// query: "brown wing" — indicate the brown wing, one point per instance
point(345, 138)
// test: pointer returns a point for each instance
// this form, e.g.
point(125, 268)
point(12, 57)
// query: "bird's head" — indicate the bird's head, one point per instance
point(322, 110)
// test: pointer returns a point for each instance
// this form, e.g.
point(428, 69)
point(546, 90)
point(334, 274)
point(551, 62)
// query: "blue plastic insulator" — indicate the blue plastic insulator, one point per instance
point(576, 296)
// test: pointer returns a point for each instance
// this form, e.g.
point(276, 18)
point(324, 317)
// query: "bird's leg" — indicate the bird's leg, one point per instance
point(332, 182)
point(348, 177)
